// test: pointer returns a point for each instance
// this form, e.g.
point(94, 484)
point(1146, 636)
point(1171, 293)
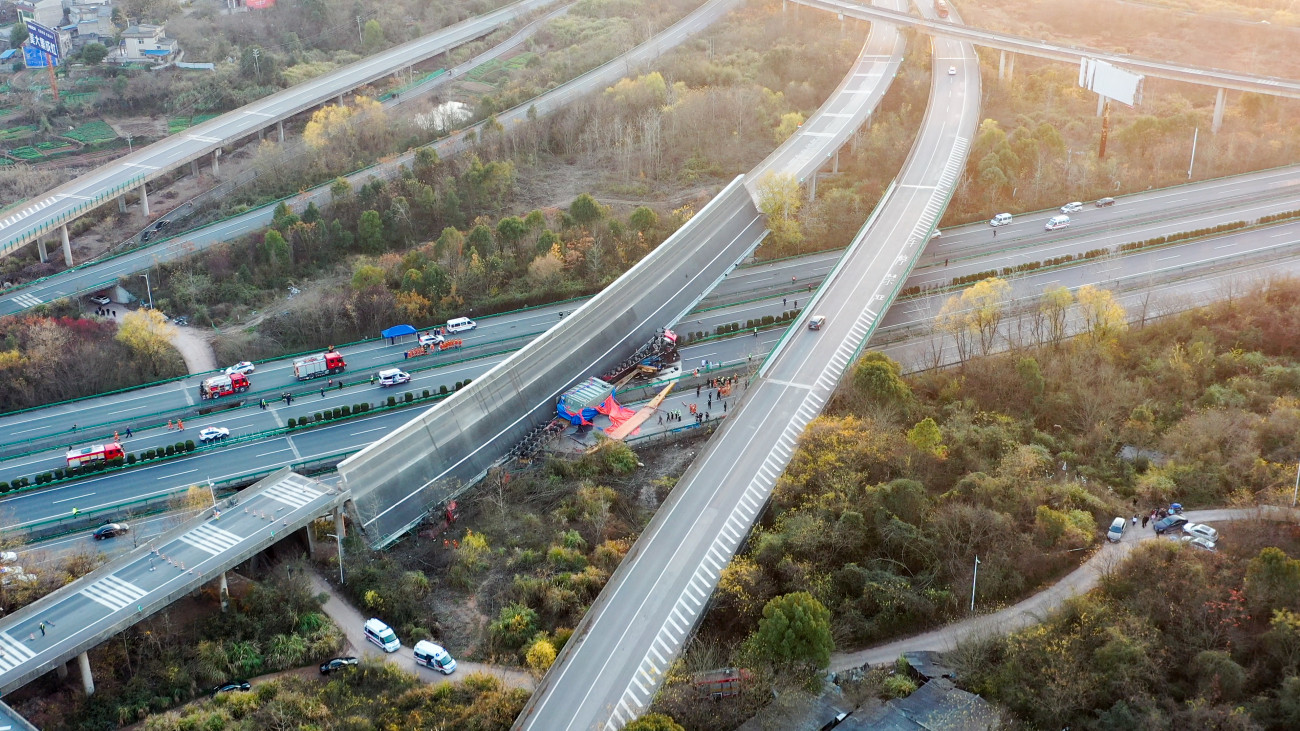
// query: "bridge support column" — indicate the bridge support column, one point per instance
point(67, 244)
point(144, 200)
point(216, 165)
point(121, 203)
point(87, 680)
point(311, 542)
point(261, 134)
point(812, 187)
point(61, 670)
point(223, 590)
point(194, 168)
point(340, 527)
point(1219, 100)
point(1011, 65)
point(1002, 65)
point(279, 127)
point(835, 164)
point(40, 249)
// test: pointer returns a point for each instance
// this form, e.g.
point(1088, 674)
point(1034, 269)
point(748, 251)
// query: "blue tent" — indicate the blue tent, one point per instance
point(397, 331)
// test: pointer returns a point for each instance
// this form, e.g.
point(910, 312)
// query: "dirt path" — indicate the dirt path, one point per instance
point(195, 349)
point(1035, 608)
point(346, 616)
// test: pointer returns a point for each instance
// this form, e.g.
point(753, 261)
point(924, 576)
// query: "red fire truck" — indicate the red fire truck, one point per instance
point(321, 364)
point(219, 386)
point(94, 453)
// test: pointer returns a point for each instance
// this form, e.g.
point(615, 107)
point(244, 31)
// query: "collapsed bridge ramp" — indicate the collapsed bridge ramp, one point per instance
point(398, 480)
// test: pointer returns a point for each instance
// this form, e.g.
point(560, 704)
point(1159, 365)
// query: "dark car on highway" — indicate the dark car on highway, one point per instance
point(110, 530)
point(337, 663)
point(1173, 522)
point(229, 687)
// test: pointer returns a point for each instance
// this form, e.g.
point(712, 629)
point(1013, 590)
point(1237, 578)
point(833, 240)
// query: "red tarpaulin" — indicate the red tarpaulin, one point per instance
point(616, 412)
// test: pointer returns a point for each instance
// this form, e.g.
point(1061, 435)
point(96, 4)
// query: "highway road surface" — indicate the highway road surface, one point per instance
point(608, 673)
point(24, 224)
point(80, 615)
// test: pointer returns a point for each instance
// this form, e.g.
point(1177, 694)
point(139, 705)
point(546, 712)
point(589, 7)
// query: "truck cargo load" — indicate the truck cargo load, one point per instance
point(223, 385)
point(321, 364)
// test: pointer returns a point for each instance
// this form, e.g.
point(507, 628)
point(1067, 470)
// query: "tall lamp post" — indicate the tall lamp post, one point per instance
point(148, 288)
point(972, 583)
point(340, 544)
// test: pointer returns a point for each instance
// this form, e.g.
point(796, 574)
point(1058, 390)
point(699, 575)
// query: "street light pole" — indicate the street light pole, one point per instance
point(1296, 492)
point(338, 540)
point(972, 582)
point(149, 289)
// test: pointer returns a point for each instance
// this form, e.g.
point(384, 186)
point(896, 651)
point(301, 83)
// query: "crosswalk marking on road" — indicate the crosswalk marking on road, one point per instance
point(293, 492)
point(12, 653)
point(27, 300)
point(113, 592)
point(210, 538)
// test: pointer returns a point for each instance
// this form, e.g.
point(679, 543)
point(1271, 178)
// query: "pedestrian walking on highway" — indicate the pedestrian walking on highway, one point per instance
point(995, 233)
point(784, 301)
point(180, 425)
point(1135, 521)
point(724, 407)
point(322, 392)
point(796, 304)
point(1145, 519)
point(340, 384)
point(129, 433)
point(42, 625)
point(331, 383)
point(169, 425)
point(262, 404)
point(710, 401)
point(74, 427)
point(945, 262)
point(792, 280)
point(697, 395)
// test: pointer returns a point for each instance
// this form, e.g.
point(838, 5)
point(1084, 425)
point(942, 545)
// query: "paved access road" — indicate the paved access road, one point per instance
point(84, 613)
point(1035, 608)
point(608, 673)
point(60, 205)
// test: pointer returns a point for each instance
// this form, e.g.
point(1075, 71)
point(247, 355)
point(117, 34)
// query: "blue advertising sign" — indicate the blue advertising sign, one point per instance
point(33, 57)
point(43, 39)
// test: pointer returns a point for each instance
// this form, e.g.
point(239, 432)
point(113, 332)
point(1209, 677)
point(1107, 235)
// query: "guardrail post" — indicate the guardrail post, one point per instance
point(87, 680)
point(67, 245)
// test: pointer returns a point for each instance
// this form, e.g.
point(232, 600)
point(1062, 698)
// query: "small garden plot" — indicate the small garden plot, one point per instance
point(92, 133)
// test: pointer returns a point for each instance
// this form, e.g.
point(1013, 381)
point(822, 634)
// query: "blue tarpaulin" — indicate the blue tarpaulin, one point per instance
point(397, 331)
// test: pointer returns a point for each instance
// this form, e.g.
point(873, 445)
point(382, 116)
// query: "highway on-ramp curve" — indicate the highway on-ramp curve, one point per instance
point(64, 203)
point(609, 671)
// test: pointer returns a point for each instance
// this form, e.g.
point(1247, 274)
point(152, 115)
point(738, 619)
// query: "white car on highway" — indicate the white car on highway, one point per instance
point(1074, 207)
point(242, 366)
point(213, 434)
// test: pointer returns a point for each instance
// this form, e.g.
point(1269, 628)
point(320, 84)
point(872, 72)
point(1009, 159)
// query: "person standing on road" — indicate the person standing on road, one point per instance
point(42, 625)
point(1135, 521)
point(1145, 519)
point(322, 392)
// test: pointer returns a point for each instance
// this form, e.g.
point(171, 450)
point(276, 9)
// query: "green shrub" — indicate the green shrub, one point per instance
point(317, 417)
point(347, 410)
point(337, 412)
point(170, 450)
point(392, 400)
point(130, 459)
point(409, 397)
point(292, 424)
point(40, 479)
point(58, 473)
point(456, 387)
point(426, 393)
point(443, 389)
point(4, 487)
point(515, 625)
point(189, 445)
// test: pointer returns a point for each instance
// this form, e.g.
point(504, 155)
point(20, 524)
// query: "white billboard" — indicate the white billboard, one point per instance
point(1110, 81)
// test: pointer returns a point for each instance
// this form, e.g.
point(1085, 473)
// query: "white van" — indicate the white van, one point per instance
point(433, 656)
point(1001, 219)
point(393, 377)
point(1116, 531)
point(1056, 222)
point(460, 325)
point(382, 635)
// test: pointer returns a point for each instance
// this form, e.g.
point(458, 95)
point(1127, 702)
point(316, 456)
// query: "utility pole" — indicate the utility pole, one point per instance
point(1195, 134)
point(360, 39)
point(149, 289)
point(257, 66)
point(335, 536)
point(972, 582)
point(1296, 493)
